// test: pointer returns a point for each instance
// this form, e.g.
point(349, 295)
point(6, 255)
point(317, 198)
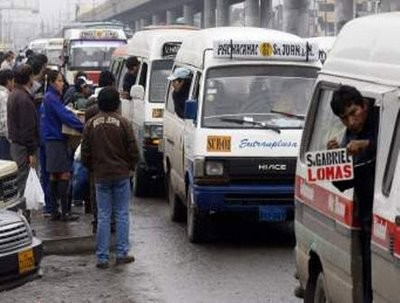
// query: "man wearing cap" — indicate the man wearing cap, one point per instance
point(83, 91)
point(180, 81)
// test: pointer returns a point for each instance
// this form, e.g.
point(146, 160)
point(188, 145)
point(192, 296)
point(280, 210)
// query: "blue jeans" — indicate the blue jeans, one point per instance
point(112, 197)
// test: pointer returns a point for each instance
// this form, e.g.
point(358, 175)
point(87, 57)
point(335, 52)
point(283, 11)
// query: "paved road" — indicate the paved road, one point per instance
point(243, 263)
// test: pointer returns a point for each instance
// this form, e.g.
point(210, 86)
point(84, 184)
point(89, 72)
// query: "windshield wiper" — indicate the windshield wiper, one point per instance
point(290, 115)
point(258, 123)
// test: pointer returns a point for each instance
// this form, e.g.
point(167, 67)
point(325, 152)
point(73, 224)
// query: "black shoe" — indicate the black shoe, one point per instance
point(69, 217)
point(124, 260)
point(102, 265)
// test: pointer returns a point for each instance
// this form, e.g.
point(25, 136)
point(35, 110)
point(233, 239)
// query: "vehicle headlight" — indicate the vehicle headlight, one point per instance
point(214, 168)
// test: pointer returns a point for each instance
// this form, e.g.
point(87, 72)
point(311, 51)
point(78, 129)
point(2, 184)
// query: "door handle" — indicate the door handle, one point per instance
point(170, 141)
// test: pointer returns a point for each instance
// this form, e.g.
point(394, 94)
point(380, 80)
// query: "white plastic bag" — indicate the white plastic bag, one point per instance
point(33, 193)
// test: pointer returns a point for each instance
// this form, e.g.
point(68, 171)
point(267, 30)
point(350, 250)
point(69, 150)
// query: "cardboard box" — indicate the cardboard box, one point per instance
point(66, 130)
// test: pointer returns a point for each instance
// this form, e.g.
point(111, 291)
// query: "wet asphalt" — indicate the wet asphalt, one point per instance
point(243, 262)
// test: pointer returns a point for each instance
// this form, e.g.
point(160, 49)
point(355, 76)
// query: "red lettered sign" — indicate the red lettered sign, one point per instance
point(329, 165)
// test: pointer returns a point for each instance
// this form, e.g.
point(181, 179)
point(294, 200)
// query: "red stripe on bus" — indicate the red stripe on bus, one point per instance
point(326, 202)
point(386, 234)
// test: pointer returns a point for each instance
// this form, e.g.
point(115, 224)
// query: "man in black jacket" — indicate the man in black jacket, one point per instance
point(360, 140)
point(22, 123)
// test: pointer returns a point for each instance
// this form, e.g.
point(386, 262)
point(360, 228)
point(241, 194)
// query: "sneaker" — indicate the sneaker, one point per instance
point(124, 260)
point(102, 265)
point(69, 217)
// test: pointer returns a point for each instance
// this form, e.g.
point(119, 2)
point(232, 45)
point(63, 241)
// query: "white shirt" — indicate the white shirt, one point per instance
point(4, 92)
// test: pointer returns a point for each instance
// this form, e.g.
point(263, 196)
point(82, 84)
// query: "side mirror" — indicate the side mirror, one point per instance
point(137, 92)
point(191, 109)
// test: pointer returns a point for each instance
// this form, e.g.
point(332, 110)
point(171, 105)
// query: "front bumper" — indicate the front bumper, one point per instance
point(256, 200)
point(10, 275)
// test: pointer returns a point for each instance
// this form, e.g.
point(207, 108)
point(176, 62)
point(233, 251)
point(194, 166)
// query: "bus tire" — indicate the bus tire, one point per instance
point(197, 221)
point(141, 181)
point(176, 208)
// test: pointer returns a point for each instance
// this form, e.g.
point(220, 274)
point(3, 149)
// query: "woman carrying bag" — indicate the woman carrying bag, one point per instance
point(58, 153)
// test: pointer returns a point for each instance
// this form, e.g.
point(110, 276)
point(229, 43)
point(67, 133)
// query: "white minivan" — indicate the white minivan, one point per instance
point(155, 47)
point(235, 148)
point(330, 255)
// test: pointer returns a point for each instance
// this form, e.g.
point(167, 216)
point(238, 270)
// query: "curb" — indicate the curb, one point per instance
point(69, 246)
point(72, 246)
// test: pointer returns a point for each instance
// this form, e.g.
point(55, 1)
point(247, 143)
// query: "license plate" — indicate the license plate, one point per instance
point(271, 214)
point(26, 261)
point(218, 143)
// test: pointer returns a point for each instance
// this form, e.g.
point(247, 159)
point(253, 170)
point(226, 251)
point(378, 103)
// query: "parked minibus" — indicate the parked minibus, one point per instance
point(234, 149)
point(329, 234)
point(155, 47)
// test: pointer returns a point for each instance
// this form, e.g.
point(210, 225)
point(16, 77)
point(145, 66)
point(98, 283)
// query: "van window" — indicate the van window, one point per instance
point(169, 106)
point(179, 100)
point(326, 125)
point(392, 159)
point(160, 70)
point(121, 77)
point(196, 86)
point(143, 75)
point(236, 94)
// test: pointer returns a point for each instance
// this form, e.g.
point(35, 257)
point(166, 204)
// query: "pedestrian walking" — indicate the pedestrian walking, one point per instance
point(22, 122)
point(109, 149)
point(6, 86)
point(58, 153)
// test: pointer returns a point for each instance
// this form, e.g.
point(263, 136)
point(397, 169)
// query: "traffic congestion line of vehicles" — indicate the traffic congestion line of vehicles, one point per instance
point(257, 102)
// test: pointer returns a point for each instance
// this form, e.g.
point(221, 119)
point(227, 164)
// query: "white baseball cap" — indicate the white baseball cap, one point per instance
point(180, 73)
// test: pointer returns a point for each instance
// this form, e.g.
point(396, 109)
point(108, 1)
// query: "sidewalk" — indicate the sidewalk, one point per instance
point(64, 238)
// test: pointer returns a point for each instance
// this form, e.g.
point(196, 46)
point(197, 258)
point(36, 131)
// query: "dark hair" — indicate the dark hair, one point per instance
point(108, 99)
point(131, 62)
point(79, 84)
point(23, 74)
point(52, 75)
point(106, 78)
point(29, 53)
point(9, 54)
point(343, 97)
point(37, 61)
point(6, 75)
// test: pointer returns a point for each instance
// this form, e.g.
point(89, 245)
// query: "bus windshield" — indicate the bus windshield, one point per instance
point(254, 96)
point(92, 55)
